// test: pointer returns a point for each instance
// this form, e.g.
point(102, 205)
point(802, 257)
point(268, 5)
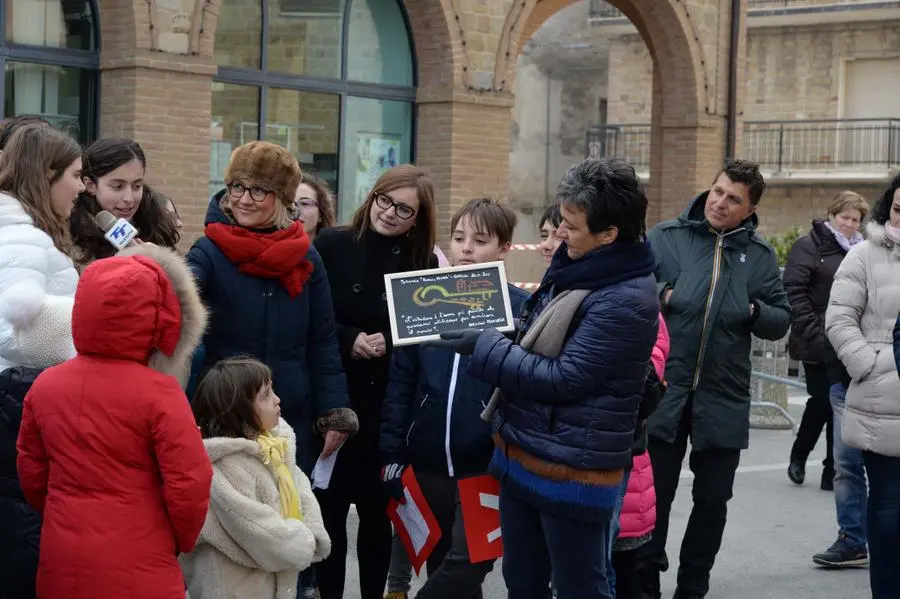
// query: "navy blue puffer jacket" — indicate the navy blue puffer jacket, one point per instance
point(578, 409)
point(425, 383)
point(295, 337)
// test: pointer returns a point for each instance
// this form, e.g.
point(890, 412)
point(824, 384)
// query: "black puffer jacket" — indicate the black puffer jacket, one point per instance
point(808, 276)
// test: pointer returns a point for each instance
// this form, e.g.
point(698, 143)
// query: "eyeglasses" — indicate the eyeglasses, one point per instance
point(386, 202)
point(237, 191)
point(306, 204)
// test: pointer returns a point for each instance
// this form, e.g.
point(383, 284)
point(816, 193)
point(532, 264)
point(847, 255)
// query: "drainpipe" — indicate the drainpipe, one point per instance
point(547, 200)
point(731, 133)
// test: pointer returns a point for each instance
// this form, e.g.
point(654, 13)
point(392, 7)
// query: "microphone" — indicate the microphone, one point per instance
point(119, 232)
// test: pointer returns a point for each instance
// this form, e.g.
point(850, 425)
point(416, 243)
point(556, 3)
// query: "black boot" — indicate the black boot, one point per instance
point(679, 594)
point(827, 479)
point(797, 472)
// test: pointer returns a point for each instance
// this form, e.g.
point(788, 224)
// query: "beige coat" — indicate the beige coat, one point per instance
point(247, 550)
point(862, 310)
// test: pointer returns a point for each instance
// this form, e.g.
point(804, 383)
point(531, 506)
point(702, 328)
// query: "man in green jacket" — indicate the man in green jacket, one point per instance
point(719, 284)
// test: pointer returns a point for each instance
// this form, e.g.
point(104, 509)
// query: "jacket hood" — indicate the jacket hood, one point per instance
point(877, 234)
point(222, 447)
point(140, 305)
point(693, 214)
point(214, 212)
point(824, 239)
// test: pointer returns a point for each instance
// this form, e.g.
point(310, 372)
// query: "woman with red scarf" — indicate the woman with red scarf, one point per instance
point(269, 298)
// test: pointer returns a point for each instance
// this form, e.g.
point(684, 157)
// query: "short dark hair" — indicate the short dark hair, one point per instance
point(551, 215)
point(223, 402)
point(881, 213)
point(746, 172)
point(489, 216)
point(609, 193)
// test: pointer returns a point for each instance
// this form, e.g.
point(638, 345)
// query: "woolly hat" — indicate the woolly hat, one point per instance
point(267, 165)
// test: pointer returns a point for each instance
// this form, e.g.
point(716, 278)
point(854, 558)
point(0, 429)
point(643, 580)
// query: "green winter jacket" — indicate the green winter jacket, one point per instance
point(714, 278)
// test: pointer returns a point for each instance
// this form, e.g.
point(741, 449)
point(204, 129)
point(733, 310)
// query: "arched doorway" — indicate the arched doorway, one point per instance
point(471, 95)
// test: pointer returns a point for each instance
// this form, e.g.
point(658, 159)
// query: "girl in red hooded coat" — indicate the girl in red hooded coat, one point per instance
point(109, 451)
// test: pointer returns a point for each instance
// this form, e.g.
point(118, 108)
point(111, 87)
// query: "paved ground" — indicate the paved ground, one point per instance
point(773, 529)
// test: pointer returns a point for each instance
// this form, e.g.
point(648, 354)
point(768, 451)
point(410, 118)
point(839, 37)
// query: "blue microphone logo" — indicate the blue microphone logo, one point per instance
point(120, 232)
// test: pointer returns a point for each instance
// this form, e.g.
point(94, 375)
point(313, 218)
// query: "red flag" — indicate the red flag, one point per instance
point(414, 521)
point(479, 497)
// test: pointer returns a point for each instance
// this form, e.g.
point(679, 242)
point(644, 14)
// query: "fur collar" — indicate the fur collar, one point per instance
point(219, 448)
point(193, 313)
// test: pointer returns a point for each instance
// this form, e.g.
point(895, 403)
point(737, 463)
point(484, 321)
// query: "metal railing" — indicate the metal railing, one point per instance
point(779, 146)
point(774, 374)
point(598, 9)
point(630, 143)
point(844, 144)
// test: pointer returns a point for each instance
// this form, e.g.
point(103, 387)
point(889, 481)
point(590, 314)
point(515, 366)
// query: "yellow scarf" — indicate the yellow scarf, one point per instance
point(272, 452)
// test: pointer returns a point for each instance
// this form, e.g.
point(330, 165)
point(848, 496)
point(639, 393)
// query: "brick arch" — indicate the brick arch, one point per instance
point(690, 108)
point(437, 44)
point(665, 26)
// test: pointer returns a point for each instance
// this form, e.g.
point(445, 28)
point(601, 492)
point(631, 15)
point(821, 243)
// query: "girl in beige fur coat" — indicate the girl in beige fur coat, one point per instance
point(264, 525)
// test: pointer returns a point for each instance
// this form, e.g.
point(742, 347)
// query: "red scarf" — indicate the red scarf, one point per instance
point(280, 255)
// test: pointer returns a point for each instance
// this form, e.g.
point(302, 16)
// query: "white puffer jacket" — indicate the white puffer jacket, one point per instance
point(37, 291)
point(862, 310)
point(247, 550)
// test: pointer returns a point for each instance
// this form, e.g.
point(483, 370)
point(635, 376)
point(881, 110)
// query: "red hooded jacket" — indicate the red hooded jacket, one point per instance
point(108, 449)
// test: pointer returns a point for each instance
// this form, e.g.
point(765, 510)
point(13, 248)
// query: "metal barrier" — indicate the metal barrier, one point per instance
point(773, 373)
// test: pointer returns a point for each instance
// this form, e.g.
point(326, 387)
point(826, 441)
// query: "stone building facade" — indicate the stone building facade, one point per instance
point(348, 85)
point(820, 111)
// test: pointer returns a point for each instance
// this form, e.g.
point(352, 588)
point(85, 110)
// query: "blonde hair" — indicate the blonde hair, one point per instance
point(281, 218)
point(849, 200)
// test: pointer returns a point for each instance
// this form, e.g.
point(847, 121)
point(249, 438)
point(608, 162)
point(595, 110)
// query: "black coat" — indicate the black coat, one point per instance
point(808, 276)
point(356, 270)
point(20, 525)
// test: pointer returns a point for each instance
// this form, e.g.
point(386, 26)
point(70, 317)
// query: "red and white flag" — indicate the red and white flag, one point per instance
point(479, 497)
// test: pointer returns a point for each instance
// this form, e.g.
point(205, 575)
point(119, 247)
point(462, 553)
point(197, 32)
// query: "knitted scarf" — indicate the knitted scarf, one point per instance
point(277, 255)
point(272, 452)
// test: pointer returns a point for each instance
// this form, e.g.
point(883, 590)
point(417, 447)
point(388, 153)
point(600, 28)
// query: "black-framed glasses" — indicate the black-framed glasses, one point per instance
point(237, 190)
point(386, 202)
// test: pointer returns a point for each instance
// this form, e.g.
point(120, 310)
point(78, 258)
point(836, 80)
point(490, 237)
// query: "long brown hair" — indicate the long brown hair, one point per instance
point(223, 402)
point(151, 220)
point(324, 198)
point(422, 234)
point(34, 150)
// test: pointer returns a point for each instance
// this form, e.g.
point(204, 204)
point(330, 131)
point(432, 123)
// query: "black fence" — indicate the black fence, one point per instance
point(846, 144)
point(599, 9)
point(861, 145)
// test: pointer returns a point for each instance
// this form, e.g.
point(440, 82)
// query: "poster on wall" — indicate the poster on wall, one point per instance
point(375, 153)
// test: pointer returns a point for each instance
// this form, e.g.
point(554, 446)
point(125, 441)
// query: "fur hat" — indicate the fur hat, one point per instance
point(267, 165)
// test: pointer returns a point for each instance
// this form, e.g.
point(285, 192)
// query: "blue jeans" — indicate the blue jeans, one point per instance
point(614, 533)
point(537, 542)
point(850, 495)
point(884, 520)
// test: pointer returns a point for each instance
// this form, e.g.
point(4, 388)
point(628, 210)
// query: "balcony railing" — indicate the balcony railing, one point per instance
point(839, 145)
point(599, 9)
point(860, 145)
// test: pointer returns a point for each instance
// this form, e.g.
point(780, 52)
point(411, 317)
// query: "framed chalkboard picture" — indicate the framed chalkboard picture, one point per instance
point(423, 304)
